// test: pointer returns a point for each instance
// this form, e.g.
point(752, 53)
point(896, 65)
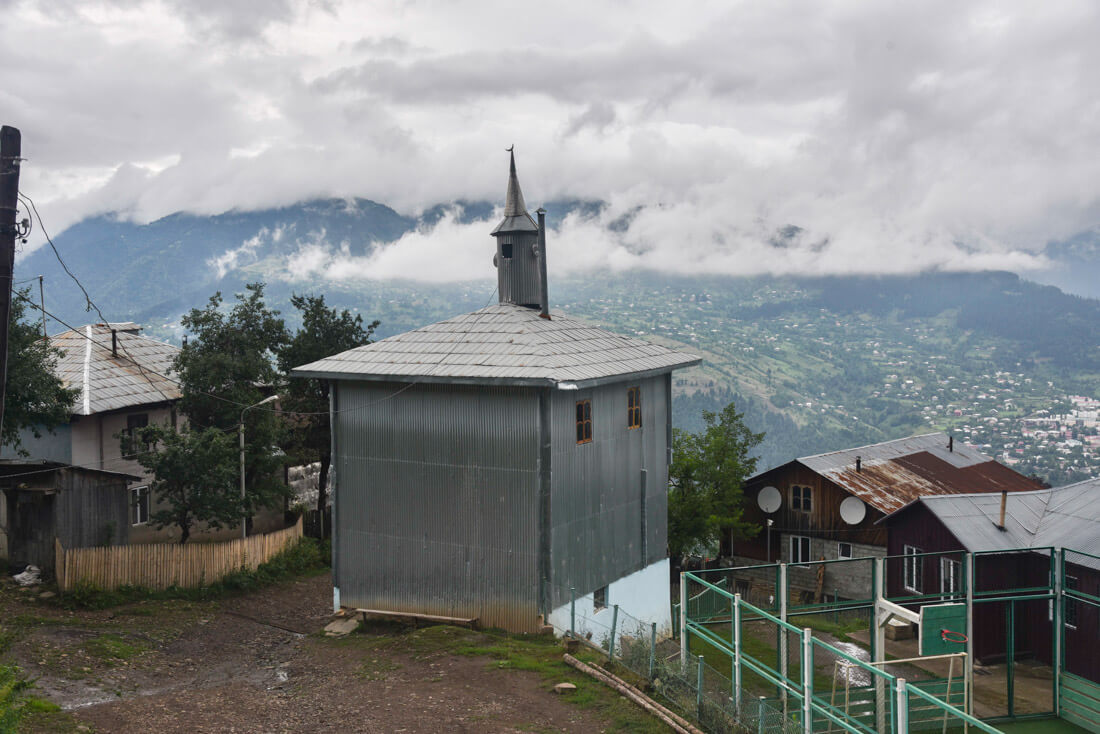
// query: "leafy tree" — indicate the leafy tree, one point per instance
point(325, 331)
point(228, 365)
point(36, 399)
point(196, 476)
point(705, 482)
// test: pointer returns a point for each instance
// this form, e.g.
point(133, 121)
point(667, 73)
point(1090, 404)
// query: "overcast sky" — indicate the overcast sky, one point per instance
point(898, 135)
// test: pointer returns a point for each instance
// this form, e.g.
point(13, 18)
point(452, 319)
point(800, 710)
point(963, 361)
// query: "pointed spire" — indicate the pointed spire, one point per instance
point(514, 205)
point(516, 218)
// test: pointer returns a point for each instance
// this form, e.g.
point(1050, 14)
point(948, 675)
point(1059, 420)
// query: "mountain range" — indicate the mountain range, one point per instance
point(814, 362)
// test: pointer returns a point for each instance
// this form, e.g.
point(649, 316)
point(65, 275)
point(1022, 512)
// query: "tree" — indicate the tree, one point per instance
point(195, 476)
point(325, 331)
point(36, 399)
point(228, 365)
point(705, 482)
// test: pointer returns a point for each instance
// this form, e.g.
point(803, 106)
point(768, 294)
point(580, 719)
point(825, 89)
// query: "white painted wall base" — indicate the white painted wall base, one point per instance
point(643, 596)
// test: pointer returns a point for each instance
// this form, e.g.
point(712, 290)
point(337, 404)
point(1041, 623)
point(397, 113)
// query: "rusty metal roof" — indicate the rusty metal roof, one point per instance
point(137, 375)
point(894, 473)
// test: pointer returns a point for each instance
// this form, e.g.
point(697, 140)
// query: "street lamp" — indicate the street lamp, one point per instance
point(240, 435)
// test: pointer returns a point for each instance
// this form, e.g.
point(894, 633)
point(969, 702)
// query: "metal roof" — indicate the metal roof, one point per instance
point(502, 343)
point(516, 218)
point(1062, 517)
point(137, 376)
point(895, 473)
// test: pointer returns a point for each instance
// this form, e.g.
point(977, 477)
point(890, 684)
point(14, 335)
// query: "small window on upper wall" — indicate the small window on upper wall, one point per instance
point(506, 250)
point(584, 421)
point(801, 498)
point(599, 598)
point(633, 407)
point(844, 550)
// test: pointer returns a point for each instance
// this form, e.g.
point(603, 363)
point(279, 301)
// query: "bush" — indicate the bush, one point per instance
point(12, 685)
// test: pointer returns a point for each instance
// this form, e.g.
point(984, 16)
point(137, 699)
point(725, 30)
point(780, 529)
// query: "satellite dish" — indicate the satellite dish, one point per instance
point(852, 510)
point(769, 499)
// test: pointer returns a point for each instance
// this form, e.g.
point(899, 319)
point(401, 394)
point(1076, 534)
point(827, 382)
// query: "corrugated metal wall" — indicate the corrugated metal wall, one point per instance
point(518, 280)
point(597, 488)
point(436, 500)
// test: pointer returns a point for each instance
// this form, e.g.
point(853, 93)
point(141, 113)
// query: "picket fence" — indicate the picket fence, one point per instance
point(163, 565)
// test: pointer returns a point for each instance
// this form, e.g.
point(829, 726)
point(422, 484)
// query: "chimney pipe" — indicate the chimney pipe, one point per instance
point(114, 343)
point(1004, 501)
point(544, 296)
point(859, 463)
point(951, 444)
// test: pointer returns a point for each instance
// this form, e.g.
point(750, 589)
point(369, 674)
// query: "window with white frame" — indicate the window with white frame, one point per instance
point(599, 598)
point(914, 569)
point(800, 549)
point(844, 550)
point(950, 576)
point(139, 505)
point(801, 498)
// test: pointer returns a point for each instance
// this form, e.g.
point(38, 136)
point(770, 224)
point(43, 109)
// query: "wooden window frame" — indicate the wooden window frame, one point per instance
point(802, 498)
point(584, 421)
point(793, 539)
point(633, 407)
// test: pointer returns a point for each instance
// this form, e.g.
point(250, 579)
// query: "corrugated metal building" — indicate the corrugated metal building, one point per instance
point(488, 464)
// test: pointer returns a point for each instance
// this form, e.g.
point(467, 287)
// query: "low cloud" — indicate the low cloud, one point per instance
point(897, 136)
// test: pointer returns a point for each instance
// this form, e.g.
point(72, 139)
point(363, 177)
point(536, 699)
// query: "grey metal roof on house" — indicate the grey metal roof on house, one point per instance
point(503, 344)
point(894, 473)
point(1062, 517)
point(138, 375)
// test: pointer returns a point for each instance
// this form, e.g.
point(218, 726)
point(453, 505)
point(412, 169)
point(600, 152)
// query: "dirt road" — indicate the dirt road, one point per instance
point(256, 663)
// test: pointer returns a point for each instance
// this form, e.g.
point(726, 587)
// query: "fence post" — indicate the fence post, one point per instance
point(614, 624)
point(760, 708)
point(699, 691)
point(1058, 565)
point(807, 681)
point(573, 611)
point(652, 647)
point(836, 612)
point(878, 643)
point(781, 648)
point(735, 622)
point(683, 624)
point(902, 706)
point(971, 587)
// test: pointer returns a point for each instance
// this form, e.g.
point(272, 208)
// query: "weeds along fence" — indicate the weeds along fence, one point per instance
point(161, 566)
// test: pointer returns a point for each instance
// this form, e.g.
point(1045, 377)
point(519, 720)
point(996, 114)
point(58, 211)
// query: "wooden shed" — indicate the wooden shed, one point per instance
point(45, 500)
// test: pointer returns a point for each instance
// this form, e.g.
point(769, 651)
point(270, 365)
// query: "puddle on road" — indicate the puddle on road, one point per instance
point(856, 675)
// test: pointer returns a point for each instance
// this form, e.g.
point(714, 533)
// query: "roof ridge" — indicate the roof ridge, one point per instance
point(873, 445)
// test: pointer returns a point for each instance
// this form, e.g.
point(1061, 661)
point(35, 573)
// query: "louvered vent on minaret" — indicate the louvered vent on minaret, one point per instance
point(517, 238)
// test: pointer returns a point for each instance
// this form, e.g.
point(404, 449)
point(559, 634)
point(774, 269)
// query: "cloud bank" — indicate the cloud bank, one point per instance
point(896, 136)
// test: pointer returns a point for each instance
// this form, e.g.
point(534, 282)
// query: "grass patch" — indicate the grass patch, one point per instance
point(839, 628)
point(303, 558)
point(111, 649)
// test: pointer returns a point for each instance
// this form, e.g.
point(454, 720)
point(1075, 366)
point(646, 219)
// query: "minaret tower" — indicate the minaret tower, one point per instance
point(520, 269)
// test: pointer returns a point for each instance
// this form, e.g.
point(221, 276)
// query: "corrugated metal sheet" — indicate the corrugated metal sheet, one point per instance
point(436, 501)
point(1063, 517)
point(895, 473)
point(139, 375)
point(599, 494)
point(502, 342)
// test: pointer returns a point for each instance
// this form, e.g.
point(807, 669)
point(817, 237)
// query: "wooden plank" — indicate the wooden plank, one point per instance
point(471, 622)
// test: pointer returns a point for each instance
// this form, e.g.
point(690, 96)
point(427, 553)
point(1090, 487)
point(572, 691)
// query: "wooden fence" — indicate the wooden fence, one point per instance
point(162, 565)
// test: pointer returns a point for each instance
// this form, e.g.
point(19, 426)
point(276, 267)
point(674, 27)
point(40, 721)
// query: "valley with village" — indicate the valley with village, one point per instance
point(455, 367)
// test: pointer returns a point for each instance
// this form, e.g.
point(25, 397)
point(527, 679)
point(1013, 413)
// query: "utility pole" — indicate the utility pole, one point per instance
point(10, 149)
point(42, 306)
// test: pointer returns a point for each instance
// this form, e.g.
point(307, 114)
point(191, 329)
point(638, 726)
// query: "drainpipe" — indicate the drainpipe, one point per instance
point(1004, 501)
point(544, 296)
